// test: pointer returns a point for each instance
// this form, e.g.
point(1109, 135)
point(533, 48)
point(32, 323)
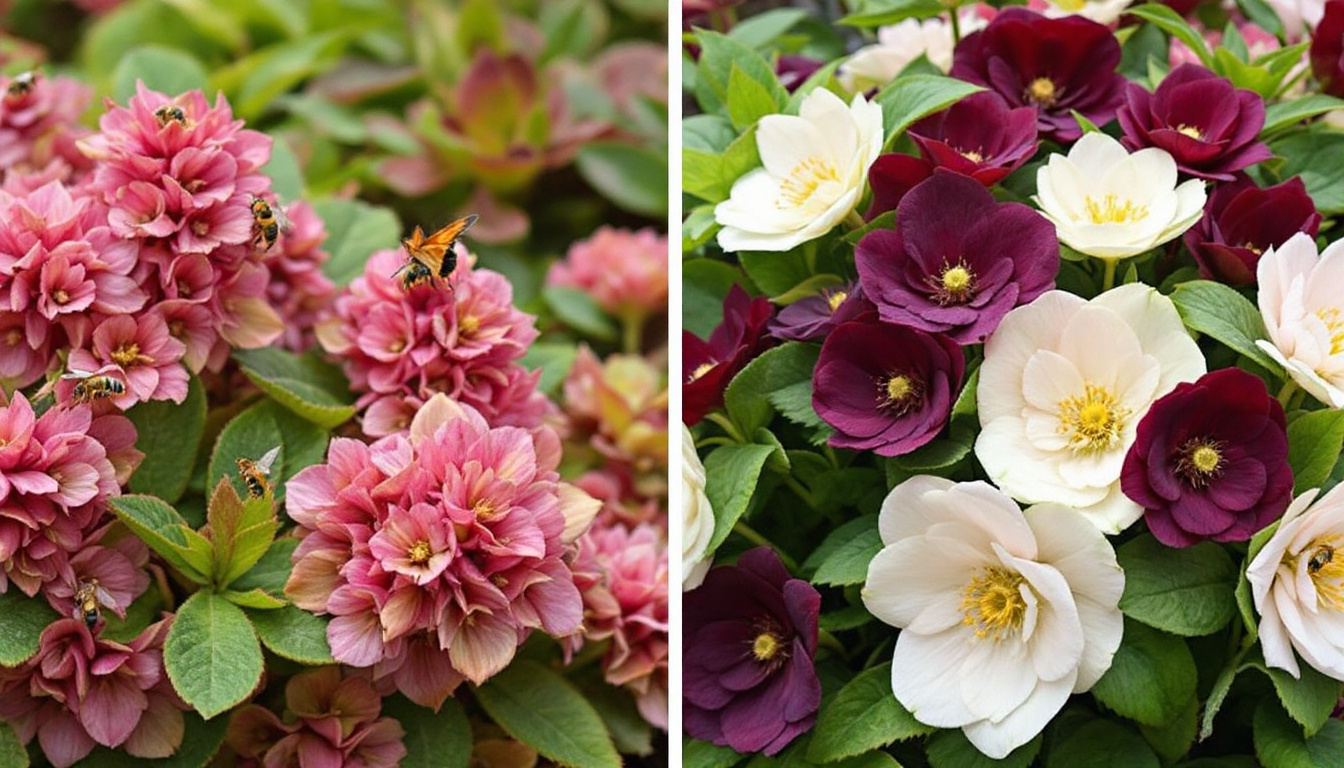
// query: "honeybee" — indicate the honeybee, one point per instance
point(268, 221)
point(433, 256)
point(254, 473)
point(1322, 557)
point(171, 113)
point(88, 597)
point(90, 387)
point(22, 85)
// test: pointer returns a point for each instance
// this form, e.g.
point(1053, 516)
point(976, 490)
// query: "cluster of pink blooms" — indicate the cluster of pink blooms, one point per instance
point(400, 347)
point(39, 124)
point(625, 272)
point(335, 724)
point(438, 551)
point(298, 288)
point(80, 691)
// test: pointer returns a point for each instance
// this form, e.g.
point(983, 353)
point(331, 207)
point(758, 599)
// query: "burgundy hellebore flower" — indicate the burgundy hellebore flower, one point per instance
point(948, 267)
point(1210, 127)
point(1210, 461)
point(1241, 221)
point(891, 176)
point(708, 366)
point(793, 70)
point(1057, 66)
point(885, 388)
point(810, 319)
point(1327, 49)
point(750, 636)
point(979, 136)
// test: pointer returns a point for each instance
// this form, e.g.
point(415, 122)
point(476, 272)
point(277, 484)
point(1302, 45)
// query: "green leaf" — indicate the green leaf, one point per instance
point(294, 634)
point(849, 617)
point(881, 13)
point(843, 557)
point(21, 629)
point(1219, 311)
point(731, 474)
point(719, 54)
point(201, 739)
point(863, 716)
point(211, 654)
point(1152, 678)
point(630, 732)
point(1173, 24)
point(634, 178)
point(255, 599)
point(749, 100)
point(939, 454)
point(1263, 16)
point(169, 435)
point(306, 385)
point(907, 99)
point(1279, 742)
point(433, 739)
point(1311, 155)
point(580, 311)
point(1173, 740)
point(165, 532)
point(763, 29)
point(355, 230)
point(705, 283)
point(951, 749)
point(1101, 744)
point(702, 754)
point(746, 397)
point(1186, 591)
point(555, 359)
point(284, 171)
point(272, 570)
point(241, 531)
point(1314, 442)
point(264, 76)
point(537, 707)
point(166, 70)
point(1222, 685)
point(1309, 700)
point(1286, 114)
point(302, 445)
point(12, 753)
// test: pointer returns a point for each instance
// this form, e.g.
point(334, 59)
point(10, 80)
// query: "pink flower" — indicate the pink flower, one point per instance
point(298, 287)
point(79, 691)
point(39, 123)
point(118, 568)
point(437, 552)
point(335, 724)
point(147, 355)
point(624, 271)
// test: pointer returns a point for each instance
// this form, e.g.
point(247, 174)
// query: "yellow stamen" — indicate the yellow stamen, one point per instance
point(973, 155)
point(836, 299)
point(1334, 325)
point(419, 552)
point(899, 393)
point(1042, 91)
point(1092, 421)
point(993, 603)
point(955, 285)
point(701, 370)
point(468, 325)
point(1112, 211)
point(1326, 569)
point(484, 509)
point(804, 180)
point(1191, 131)
point(765, 646)
point(126, 354)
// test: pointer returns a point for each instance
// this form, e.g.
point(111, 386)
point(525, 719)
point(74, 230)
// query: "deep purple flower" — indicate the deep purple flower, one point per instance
point(891, 177)
point(885, 388)
point(1327, 49)
point(957, 261)
point(1210, 460)
point(1209, 126)
point(810, 319)
point(1057, 66)
point(1241, 221)
point(708, 366)
point(750, 636)
point(793, 70)
point(979, 136)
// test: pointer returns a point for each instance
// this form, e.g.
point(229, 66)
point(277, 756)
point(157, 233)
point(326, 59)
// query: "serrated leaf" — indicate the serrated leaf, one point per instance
point(630, 732)
point(355, 230)
point(1218, 311)
point(12, 753)
point(537, 707)
point(249, 435)
point(718, 55)
point(212, 655)
point(843, 557)
point(256, 599)
point(272, 570)
point(169, 434)
point(1151, 679)
point(433, 739)
point(1310, 699)
point(21, 628)
point(939, 454)
point(1173, 24)
point(747, 396)
point(731, 474)
point(164, 531)
point(1187, 591)
point(1173, 740)
point(166, 70)
point(1286, 114)
point(293, 634)
point(241, 531)
point(748, 99)
point(951, 749)
point(1314, 443)
point(306, 385)
point(1279, 742)
point(864, 715)
point(907, 99)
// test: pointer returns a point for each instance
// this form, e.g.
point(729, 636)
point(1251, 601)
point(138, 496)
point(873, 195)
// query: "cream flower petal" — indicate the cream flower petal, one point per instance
point(1019, 336)
point(919, 669)
point(996, 740)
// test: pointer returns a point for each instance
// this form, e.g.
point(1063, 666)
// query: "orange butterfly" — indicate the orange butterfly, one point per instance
point(433, 256)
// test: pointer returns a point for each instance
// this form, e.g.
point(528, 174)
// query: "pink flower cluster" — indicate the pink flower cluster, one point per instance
point(624, 271)
point(56, 474)
point(401, 347)
point(80, 691)
point(335, 724)
point(437, 552)
point(298, 288)
point(39, 123)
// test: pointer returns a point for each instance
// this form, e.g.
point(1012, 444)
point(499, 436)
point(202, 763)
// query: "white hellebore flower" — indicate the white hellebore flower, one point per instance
point(1297, 581)
point(1064, 384)
point(1100, 11)
point(1110, 204)
point(697, 517)
point(873, 66)
point(816, 164)
point(1303, 306)
point(1003, 614)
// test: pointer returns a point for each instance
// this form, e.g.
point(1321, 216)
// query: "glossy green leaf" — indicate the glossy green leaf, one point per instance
point(306, 385)
point(272, 570)
point(537, 707)
point(293, 634)
point(1101, 744)
point(1151, 679)
point(907, 99)
point(731, 474)
point(747, 395)
point(433, 739)
point(951, 749)
point(1314, 443)
point(580, 311)
point(1279, 742)
point(21, 628)
point(843, 556)
point(164, 531)
point(1186, 591)
point(166, 70)
point(864, 715)
point(169, 435)
point(1219, 311)
point(355, 230)
point(212, 655)
point(249, 435)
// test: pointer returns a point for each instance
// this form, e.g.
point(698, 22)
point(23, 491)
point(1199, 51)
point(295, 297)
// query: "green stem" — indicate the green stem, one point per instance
point(854, 221)
point(632, 333)
point(727, 426)
point(1286, 393)
point(1108, 277)
point(750, 534)
point(802, 492)
point(956, 27)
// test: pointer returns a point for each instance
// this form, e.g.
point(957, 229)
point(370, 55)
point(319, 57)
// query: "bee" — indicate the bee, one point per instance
point(433, 256)
point(88, 597)
point(268, 221)
point(1322, 557)
point(171, 113)
point(22, 85)
point(90, 387)
point(254, 473)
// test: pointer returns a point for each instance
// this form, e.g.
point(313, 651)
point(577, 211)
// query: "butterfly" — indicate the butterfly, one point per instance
point(433, 256)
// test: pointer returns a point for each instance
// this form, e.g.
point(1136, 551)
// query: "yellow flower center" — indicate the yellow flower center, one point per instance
point(419, 552)
point(954, 285)
point(1198, 460)
point(201, 228)
point(1092, 421)
point(484, 509)
point(60, 296)
point(765, 646)
point(701, 370)
point(899, 393)
point(1072, 6)
point(971, 154)
point(1191, 131)
point(803, 182)
point(126, 354)
point(468, 325)
point(836, 299)
point(1113, 211)
point(1327, 573)
point(13, 336)
point(1334, 325)
point(993, 603)
point(1042, 91)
